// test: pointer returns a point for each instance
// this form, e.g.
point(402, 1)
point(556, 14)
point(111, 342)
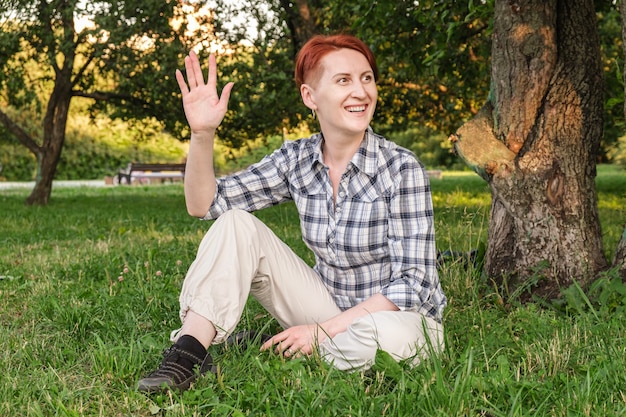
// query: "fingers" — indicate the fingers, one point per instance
point(193, 72)
point(226, 93)
point(281, 344)
point(288, 345)
point(212, 80)
point(181, 82)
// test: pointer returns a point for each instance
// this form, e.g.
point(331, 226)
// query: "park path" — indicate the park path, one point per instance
point(6, 185)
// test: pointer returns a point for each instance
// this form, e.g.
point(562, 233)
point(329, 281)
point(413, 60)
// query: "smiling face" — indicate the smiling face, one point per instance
point(343, 93)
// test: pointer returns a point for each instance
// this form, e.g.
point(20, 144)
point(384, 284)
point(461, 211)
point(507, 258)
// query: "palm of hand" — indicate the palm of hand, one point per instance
point(203, 106)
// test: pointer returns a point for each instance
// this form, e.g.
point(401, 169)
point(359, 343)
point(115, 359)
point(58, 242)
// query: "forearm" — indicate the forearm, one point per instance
point(200, 174)
point(340, 323)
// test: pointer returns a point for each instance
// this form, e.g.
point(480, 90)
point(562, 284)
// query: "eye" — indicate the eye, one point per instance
point(343, 80)
point(368, 78)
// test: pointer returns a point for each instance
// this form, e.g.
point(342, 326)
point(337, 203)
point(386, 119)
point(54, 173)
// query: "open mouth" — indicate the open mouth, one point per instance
point(356, 109)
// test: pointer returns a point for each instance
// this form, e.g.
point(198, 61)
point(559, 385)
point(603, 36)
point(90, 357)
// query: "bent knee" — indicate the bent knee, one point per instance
point(233, 215)
point(400, 334)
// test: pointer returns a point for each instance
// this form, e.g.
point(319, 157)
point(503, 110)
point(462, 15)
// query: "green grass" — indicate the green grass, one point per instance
point(89, 289)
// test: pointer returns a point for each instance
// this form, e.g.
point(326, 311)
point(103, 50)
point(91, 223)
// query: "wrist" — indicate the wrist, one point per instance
point(203, 135)
point(327, 329)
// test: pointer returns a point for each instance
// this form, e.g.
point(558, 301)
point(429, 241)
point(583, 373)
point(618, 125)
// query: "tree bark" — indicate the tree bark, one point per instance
point(54, 125)
point(50, 153)
point(300, 21)
point(545, 108)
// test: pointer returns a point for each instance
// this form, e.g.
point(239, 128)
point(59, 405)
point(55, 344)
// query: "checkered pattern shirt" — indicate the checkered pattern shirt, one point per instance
point(378, 237)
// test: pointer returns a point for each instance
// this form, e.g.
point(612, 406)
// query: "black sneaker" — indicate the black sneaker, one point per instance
point(243, 339)
point(177, 371)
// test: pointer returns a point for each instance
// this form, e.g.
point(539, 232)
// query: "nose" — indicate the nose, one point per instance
point(359, 89)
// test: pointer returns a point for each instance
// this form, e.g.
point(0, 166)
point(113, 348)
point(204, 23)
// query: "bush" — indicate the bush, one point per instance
point(18, 164)
point(95, 148)
point(431, 148)
point(617, 154)
point(228, 160)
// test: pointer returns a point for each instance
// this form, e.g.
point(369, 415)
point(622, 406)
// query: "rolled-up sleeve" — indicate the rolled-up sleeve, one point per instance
point(259, 186)
point(414, 282)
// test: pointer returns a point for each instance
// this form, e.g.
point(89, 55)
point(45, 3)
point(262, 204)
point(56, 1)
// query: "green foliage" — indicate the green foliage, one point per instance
point(432, 148)
point(605, 297)
point(265, 101)
point(98, 147)
point(95, 148)
point(112, 147)
point(140, 46)
point(617, 152)
point(228, 159)
point(17, 163)
point(433, 58)
point(610, 31)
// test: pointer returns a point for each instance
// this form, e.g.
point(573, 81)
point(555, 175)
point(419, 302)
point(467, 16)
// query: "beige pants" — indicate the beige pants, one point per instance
point(240, 255)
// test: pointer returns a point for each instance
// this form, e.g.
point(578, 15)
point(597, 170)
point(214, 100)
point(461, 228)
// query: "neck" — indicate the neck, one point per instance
point(338, 154)
point(340, 147)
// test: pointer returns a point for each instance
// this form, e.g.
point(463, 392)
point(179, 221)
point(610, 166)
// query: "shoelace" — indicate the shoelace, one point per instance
point(171, 368)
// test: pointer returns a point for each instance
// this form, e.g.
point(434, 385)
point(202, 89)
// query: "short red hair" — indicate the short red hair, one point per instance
point(311, 54)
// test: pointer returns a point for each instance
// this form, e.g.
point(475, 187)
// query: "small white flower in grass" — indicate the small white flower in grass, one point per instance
point(179, 262)
point(146, 264)
point(159, 273)
point(120, 278)
point(125, 270)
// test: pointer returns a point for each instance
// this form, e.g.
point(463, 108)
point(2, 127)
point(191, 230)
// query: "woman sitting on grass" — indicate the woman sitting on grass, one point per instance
point(365, 211)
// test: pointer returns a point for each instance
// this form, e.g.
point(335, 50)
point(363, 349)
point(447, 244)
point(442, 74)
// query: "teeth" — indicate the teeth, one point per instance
point(356, 109)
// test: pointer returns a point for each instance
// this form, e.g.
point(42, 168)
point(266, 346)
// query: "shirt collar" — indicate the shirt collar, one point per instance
point(366, 156)
point(363, 160)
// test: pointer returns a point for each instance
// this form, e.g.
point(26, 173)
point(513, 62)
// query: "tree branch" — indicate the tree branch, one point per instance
point(24, 138)
point(478, 147)
point(81, 71)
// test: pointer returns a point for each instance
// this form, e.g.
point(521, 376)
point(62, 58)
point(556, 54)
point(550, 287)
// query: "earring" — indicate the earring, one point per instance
point(313, 113)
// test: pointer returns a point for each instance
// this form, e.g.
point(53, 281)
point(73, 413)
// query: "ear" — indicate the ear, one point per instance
point(307, 93)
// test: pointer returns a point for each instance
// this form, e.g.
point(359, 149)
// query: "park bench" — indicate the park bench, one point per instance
point(145, 173)
point(434, 173)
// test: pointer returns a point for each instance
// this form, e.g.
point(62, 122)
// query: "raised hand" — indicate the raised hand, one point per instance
point(204, 108)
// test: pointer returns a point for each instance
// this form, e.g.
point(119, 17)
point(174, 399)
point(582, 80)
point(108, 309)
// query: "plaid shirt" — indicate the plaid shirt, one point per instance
point(378, 237)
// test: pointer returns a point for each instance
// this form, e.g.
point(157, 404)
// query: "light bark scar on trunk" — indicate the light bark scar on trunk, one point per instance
point(476, 144)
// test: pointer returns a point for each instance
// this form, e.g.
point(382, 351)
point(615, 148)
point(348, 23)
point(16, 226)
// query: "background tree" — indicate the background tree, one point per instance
point(124, 62)
point(536, 141)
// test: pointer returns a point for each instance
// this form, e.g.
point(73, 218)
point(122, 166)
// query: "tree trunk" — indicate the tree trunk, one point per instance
point(54, 124)
point(300, 21)
point(538, 137)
